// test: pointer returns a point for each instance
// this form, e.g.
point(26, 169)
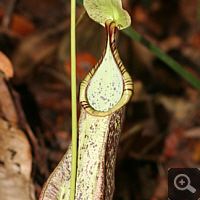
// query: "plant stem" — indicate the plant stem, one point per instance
point(164, 57)
point(73, 99)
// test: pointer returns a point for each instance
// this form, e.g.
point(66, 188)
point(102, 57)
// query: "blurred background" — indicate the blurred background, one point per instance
point(162, 122)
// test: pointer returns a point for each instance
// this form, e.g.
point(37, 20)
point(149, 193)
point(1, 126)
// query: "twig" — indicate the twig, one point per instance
point(132, 131)
point(61, 77)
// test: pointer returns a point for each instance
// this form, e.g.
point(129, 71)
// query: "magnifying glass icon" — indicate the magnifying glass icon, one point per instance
point(185, 182)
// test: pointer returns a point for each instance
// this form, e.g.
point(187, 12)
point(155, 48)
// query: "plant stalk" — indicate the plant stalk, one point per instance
point(73, 100)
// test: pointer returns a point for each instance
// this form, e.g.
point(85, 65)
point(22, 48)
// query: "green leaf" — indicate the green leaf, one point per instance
point(102, 10)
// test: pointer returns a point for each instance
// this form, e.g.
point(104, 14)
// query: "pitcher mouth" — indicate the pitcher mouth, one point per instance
point(126, 78)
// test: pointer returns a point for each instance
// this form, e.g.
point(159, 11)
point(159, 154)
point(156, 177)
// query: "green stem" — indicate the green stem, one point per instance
point(164, 57)
point(81, 17)
point(73, 99)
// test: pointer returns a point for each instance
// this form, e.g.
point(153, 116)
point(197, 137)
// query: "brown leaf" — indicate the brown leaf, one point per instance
point(84, 62)
point(34, 49)
point(15, 164)
point(6, 66)
point(6, 103)
point(20, 25)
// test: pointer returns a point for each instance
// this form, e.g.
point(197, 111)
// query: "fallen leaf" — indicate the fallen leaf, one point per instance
point(84, 62)
point(6, 103)
point(15, 164)
point(19, 24)
point(179, 108)
point(6, 66)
